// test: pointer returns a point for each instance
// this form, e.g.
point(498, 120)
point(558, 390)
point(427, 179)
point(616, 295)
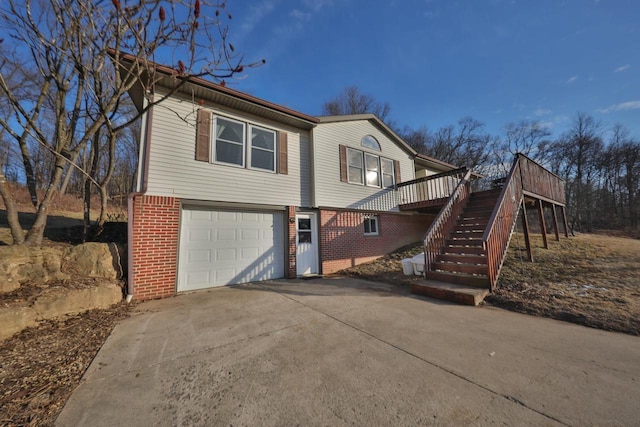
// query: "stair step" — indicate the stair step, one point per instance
point(463, 242)
point(482, 202)
point(455, 267)
point(449, 292)
point(467, 234)
point(471, 223)
point(463, 250)
point(459, 278)
point(487, 193)
point(477, 210)
point(463, 258)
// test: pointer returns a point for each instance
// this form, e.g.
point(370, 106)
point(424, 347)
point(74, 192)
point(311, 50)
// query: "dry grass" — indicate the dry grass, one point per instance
point(590, 279)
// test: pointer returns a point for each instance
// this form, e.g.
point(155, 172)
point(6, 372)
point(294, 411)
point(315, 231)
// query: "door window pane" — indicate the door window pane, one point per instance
point(304, 237)
point(304, 223)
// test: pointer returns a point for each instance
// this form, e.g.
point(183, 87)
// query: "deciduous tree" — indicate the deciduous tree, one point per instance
point(66, 50)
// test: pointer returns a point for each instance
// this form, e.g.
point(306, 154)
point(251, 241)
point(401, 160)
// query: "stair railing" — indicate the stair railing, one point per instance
point(525, 176)
point(443, 224)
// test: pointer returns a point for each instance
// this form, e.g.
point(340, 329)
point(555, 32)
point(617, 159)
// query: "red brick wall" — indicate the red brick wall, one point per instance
point(291, 247)
point(155, 246)
point(343, 243)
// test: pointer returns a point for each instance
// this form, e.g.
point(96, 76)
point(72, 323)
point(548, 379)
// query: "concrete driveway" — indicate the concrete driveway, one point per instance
point(339, 351)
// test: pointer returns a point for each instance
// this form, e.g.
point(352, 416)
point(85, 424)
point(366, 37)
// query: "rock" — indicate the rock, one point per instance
point(59, 301)
point(21, 264)
point(15, 319)
point(93, 260)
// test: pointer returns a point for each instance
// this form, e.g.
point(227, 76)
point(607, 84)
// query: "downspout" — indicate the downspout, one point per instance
point(142, 189)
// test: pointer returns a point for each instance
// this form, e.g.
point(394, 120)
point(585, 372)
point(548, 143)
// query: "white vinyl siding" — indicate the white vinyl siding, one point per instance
point(330, 191)
point(173, 170)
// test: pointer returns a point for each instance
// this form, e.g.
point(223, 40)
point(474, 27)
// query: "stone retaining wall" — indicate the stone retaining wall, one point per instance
point(69, 281)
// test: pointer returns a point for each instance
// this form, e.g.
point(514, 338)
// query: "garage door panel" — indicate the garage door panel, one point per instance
point(225, 255)
point(199, 256)
point(228, 247)
point(198, 215)
point(250, 234)
point(226, 234)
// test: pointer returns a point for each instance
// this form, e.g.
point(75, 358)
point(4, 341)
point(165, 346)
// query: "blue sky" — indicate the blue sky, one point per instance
point(436, 61)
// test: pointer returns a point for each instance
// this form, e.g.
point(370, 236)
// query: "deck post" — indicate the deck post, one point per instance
point(543, 224)
point(525, 225)
point(555, 222)
point(564, 221)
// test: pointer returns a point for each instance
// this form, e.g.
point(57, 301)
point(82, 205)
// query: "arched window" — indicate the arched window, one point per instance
point(370, 142)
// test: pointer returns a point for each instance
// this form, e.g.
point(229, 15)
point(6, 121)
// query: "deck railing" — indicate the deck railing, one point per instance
point(539, 182)
point(526, 176)
point(443, 224)
point(433, 187)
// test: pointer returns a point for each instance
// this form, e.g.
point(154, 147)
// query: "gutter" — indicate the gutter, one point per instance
point(142, 189)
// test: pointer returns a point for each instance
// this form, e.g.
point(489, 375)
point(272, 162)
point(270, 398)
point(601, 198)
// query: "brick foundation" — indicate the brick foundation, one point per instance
point(343, 243)
point(155, 246)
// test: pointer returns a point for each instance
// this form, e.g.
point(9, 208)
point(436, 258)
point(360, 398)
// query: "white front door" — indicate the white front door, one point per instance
point(306, 244)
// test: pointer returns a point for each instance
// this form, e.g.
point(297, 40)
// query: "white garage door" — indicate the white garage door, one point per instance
point(228, 247)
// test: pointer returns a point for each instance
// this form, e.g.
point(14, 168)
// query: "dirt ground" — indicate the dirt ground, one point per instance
point(41, 366)
point(589, 279)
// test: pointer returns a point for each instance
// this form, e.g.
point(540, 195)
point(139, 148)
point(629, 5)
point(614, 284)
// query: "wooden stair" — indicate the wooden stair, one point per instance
point(459, 273)
point(466, 295)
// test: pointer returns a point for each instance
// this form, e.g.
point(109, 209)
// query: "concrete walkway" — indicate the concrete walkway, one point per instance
point(342, 351)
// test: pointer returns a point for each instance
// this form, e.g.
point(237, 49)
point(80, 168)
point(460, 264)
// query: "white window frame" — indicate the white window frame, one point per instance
point(392, 174)
point(362, 167)
point(215, 142)
point(371, 219)
point(367, 170)
point(250, 148)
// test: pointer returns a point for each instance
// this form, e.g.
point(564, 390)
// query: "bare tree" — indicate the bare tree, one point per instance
point(527, 137)
point(352, 101)
point(465, 144)
point(70, 48)
point(576, 156)
point(418, 139)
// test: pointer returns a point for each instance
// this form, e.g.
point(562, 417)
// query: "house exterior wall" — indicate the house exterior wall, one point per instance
point(156, 222)
point(343, 243)
point(174, 172)
point(329, 190)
